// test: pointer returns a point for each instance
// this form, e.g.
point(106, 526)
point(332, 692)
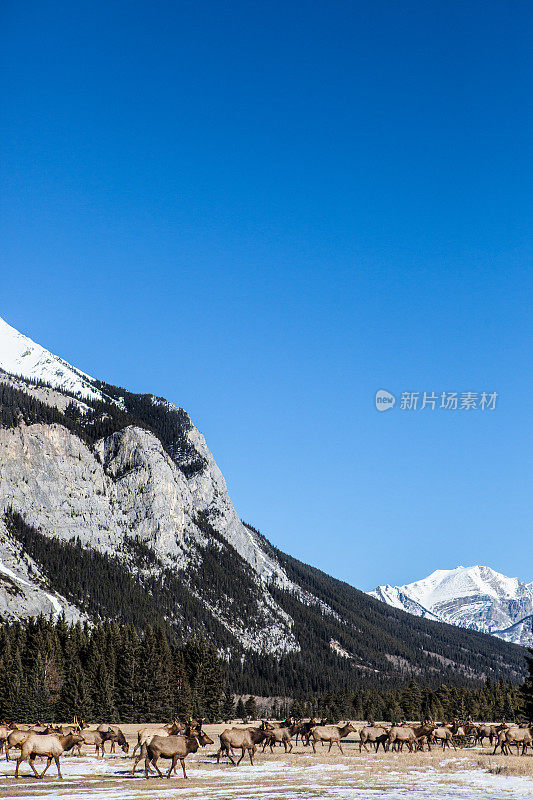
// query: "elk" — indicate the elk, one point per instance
point(93, 737)
point(76, 728)
point(443, 735)
point(373, 734)
point(485, 732)
point(267, 725)
point(175, 747)
point(48, 745)
point(400, 735)
point(412, 736)
point(281, 735)
point(330, 733)
point(15, 739)
point(115, 736)
point(458, 731)
point(240, 739)
point(305, 730)
point(4, 733)
point(175, 728)
point(521, 737)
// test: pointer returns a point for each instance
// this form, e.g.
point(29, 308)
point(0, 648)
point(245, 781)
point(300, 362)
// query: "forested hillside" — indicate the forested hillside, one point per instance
point(109, 672)
point(379, 640)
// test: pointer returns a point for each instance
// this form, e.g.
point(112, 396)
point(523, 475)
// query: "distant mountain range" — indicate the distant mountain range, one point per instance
point(112, 507)
point(476, 597)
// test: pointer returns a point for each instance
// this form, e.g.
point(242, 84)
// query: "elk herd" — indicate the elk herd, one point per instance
point(175, 741)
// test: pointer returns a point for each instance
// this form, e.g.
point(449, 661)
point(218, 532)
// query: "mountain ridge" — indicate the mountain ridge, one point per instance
point(475, 597)
point(124, 485)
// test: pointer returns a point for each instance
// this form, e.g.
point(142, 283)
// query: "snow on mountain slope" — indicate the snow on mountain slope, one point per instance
point(23, 589)
point(475, 597)
point(19, 355)
point(519, 633)
point(398, 599)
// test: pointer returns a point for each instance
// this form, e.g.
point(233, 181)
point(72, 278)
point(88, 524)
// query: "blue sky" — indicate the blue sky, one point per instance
point(267, 213)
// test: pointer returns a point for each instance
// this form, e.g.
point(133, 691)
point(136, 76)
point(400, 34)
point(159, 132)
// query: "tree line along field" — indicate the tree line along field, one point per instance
point(50, 670)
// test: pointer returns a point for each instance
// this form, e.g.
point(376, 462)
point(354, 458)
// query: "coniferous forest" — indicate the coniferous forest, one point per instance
point(53, 671)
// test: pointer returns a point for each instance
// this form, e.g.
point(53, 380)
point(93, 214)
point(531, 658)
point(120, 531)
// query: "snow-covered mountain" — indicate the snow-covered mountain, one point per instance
point(21, 356)
point(475, 597)
point(112, 506)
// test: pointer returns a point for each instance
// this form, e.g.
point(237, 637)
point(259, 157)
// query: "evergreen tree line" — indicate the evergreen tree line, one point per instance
point(491, 701)
point(526, 690)
point(53, 671)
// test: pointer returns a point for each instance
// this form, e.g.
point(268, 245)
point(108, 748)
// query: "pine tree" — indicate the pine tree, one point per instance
point(161, 704)
point(240, 711)
point(394, 713)
point(75, 695)
point(181, 690)
point(147, 665)
point(210, 682)
point(228, 706)
point(102, 692)
point(15, 703)
point(126, 675)
point(509, 711)
point(412, 701)
point(36, 691)
point(250, 708)
point(6, 672)
point(526, 690)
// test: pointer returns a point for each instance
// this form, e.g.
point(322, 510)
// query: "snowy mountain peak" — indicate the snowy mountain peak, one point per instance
point(475, 597)
point(19, 355)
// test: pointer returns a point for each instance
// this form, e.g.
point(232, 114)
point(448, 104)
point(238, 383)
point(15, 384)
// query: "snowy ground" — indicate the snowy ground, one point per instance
point(465, 775)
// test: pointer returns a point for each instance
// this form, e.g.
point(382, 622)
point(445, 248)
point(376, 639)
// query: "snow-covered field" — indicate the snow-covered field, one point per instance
point(297, 776)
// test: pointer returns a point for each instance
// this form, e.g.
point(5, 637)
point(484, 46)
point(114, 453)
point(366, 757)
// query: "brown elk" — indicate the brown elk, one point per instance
point(93, 737)
point(115, 736)
point(413, 736)
point(240, 739)
point(507, 737)
point(444, 735)
point(280, 735)
point(304, 730)
point(330, 733)
point(372, 734)
point(144, 736)
point(4, 733)
point(176, 748)
point(485, 732)
point(458, 731)
point(15, 739)
point(48, 745)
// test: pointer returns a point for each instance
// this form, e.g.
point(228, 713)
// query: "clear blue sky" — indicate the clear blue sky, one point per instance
point(265, 213)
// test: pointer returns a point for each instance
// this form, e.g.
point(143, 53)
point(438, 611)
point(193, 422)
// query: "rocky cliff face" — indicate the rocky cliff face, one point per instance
point(127, 485)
